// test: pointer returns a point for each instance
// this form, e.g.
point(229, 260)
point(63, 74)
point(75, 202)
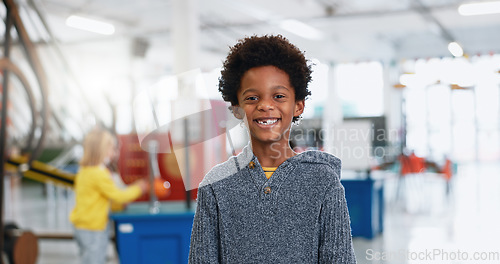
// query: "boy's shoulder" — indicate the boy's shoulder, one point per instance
point(321, 161)
point(320, 157)
point(228, 168)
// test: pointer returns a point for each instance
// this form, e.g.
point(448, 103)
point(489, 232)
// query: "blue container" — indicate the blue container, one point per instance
point(365, 201)
point(163, 238)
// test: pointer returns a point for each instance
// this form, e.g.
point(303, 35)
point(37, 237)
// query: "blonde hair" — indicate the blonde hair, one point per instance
point(96, 147)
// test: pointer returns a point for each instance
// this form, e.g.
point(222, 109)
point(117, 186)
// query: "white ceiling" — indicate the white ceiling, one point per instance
point(353, 30)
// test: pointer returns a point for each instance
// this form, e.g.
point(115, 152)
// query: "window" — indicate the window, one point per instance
point(360, 87)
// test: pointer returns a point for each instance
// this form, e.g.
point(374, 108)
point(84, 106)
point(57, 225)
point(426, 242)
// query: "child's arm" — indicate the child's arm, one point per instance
point(109, 189)
point(205, 240)
point(335, 239)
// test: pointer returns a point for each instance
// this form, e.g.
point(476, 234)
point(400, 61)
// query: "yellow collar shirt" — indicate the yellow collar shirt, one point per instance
point(269, 171)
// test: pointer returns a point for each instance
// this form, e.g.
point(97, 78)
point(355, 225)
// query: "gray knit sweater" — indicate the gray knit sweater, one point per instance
point(299, 215)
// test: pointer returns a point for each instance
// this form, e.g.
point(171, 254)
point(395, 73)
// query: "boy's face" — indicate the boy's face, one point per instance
point(268, 101)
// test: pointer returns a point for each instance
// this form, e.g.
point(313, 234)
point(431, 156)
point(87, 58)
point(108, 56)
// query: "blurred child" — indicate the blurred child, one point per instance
point(270, 204)
point(94, 191)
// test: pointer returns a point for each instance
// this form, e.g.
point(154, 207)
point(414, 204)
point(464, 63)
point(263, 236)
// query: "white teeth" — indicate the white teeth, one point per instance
point(267, 121)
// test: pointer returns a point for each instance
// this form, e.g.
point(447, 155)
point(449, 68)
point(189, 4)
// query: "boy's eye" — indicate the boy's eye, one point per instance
point(251, 98)
point(279, 96)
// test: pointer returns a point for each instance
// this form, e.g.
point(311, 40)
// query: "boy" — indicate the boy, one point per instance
point(269, 204)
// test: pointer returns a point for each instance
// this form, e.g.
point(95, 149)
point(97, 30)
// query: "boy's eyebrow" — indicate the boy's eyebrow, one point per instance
point(281, 87)
point(274, 88)
point(249, 90)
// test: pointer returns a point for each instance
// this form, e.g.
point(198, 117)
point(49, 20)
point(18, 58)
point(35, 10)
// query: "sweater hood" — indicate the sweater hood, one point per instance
point(316, 157)
point(243, 159)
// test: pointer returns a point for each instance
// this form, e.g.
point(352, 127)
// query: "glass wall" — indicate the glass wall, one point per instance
point(451, 105)
point(452, 108)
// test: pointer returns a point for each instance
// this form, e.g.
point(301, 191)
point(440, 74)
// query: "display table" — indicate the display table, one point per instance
point(163, 238)
point(365, 200)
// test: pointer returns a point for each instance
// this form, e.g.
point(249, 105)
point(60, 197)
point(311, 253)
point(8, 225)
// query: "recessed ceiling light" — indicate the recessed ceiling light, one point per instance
point(90, 25)
point(455, 49)
point(482, 8)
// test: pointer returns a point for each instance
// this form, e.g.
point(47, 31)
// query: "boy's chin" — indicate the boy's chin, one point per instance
point(266, 139)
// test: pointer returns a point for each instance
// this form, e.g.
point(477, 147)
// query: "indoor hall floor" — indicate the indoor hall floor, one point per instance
point(421, 224)
point(425, 225)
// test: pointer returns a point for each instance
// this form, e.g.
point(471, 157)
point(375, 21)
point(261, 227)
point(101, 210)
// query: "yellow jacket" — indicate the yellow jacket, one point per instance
point(95, 189)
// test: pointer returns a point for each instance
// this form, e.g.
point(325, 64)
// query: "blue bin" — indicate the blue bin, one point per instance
point(365, 201)
point(153, 238)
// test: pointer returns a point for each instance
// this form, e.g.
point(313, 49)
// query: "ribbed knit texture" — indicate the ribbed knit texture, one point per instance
point(299, 215)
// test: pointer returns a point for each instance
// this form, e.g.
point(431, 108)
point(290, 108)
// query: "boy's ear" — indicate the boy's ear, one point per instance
point(237, 111)
point(299, 108)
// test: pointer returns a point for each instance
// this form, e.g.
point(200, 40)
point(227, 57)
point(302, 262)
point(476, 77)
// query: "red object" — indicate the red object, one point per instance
point(168, 164)
point(411, 164)
point(133, 165)
point(133, 161)
point(208, 134)
point(447, 170)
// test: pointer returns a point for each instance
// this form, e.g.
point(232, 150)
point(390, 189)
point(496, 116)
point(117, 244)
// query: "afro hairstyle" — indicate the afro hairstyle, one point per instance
point(266, 50)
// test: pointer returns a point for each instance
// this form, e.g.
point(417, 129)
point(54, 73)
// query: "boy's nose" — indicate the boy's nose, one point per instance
point(265, 105)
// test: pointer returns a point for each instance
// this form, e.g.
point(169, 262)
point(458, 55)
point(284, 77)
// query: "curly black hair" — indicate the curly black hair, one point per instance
point(266, 50)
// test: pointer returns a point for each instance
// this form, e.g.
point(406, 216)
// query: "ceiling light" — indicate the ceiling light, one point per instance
point(91, 25)
point(455, 49)
point(301, 29)
point(482, 8)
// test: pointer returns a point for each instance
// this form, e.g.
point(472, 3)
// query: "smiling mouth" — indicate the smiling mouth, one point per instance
point(267, 121)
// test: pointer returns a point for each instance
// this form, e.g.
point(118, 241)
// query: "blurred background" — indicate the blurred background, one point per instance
point(406, 93)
